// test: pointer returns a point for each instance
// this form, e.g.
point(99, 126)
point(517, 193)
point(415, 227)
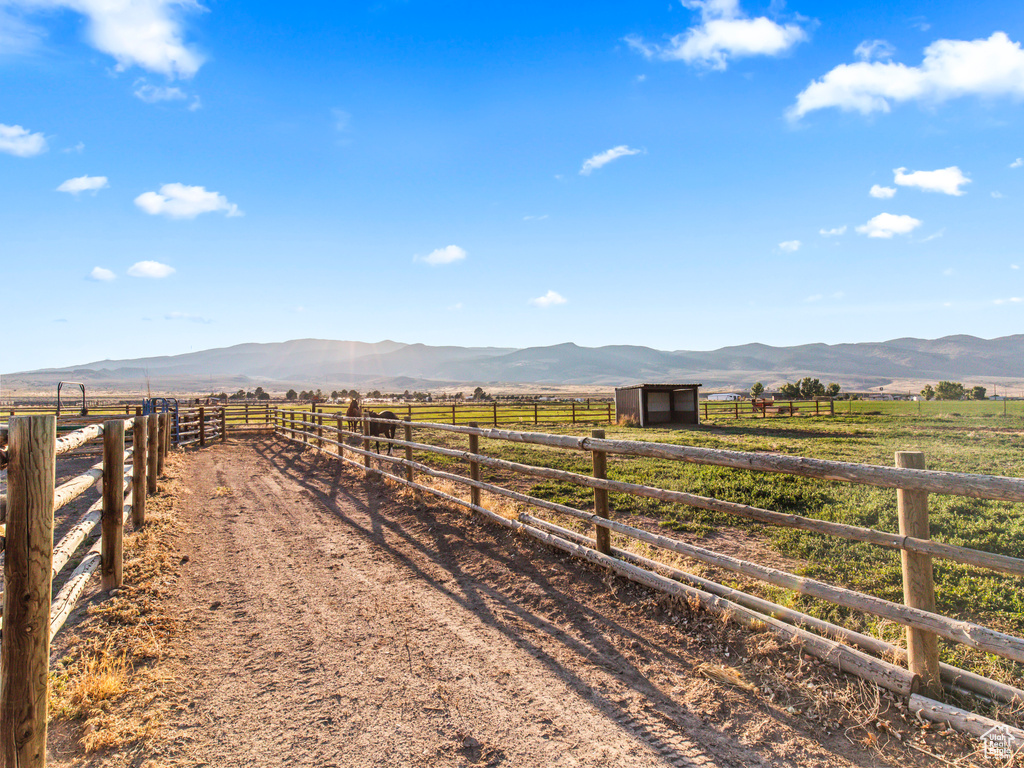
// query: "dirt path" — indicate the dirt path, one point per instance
point(336, 626)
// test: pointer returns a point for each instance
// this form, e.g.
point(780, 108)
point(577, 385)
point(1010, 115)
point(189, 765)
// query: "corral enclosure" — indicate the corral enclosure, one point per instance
point(787, 519)
point(849, 531)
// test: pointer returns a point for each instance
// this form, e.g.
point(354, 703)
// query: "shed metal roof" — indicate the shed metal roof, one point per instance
point(660, 386)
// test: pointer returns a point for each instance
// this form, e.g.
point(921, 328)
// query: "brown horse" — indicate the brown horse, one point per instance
point(353, 414)
point(382, 430)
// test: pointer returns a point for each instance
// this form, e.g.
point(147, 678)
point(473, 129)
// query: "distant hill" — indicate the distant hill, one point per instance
point(391, 365)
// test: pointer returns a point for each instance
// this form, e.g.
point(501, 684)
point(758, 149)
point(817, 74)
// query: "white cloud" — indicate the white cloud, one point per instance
point(187, 316)
point(78, 148)
point(178, 201)
point(549, 299)
point(84, 184)
point(16, 36)
point(1017, 163)
point(603, 158)
point(790, 246)
point(835, 232)
point(1014, 266)
point(945, 180)
point(153, 269)
point(151, 94)
point(724, 33)
point(535, 218)
point(101, 274)
point(997, 195)
point(950, 69)
point(934, 236)
point(447, 255)
point(948, 272)
point(882, 193)
point(888, 224)
point(15, 140)
point(1011, 300)
point(143, 33)
point(874, 50)
point(814, 297)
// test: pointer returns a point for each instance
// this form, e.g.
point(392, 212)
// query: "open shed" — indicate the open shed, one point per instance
point(653, 404)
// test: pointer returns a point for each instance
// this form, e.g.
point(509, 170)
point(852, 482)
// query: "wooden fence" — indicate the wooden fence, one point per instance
point(909, 672)
point(32, 615)
point(747, 409)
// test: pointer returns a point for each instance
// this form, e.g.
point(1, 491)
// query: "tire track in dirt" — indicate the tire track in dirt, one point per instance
point(333, 624)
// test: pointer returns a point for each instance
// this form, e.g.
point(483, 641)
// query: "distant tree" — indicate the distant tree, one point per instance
point(291, 394)
point(811, 388)
point(792, 391)
point(757, 390)
point(258, 392)
point(262, 396)
point(978, 393)
point(928, 393)
point(950, 390)
point(832, 390)
point(375, 393)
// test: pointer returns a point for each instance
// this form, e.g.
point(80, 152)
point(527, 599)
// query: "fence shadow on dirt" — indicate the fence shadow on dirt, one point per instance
point(678, 735)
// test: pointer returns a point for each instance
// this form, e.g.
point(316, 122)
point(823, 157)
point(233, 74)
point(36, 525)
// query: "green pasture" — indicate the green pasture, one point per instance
point(978, 440)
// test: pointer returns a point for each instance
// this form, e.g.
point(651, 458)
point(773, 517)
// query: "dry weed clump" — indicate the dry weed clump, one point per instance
point(106, 683)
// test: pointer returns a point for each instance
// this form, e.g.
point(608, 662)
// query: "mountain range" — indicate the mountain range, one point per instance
point(390, 365)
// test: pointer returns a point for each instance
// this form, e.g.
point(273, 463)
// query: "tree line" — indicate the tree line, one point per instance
point(953, 390)
point(805, 389)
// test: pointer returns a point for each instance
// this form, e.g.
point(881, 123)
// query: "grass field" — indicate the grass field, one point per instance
point(978, 440)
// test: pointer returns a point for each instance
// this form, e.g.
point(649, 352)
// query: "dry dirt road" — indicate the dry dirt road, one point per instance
point(338, 622)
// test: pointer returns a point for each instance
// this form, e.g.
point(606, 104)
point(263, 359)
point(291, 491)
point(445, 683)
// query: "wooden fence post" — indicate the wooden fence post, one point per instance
point(574, 415)
point(319, 427)
point(163, 429)
point(247, 414)
point(408, 411)
point(153, 433)
point(139, 465)
point(535, 422)
point(474, 467)
point(602, 534)
point(495, 413)
point(408, 448)
point(224, 424)
point(453, 414)
point(832, 407)
point(918, 578)
point(341, 438)
point(202, 427)
point(28, 560)
point(366, 441)
point(112, 521)
point(609, 413)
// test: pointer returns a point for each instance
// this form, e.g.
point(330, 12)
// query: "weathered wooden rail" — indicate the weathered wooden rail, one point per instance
point(32, 614)
point(909, 672)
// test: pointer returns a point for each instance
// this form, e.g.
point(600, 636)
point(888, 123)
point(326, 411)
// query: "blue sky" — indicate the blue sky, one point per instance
point(176, 176)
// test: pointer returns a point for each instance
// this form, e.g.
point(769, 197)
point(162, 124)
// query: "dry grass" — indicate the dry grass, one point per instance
point(106, 691)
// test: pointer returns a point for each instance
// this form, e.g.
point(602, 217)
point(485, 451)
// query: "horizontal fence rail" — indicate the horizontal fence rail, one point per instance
point(849, 650)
